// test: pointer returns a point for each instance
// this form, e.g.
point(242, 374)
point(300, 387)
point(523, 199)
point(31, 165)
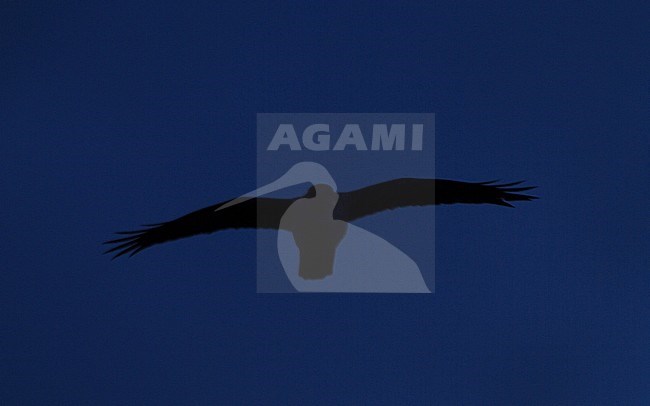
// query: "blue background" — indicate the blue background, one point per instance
point(119, 114)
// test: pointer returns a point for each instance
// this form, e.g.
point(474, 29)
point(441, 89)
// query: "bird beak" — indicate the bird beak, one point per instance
point(264, 190)
point(303, 172)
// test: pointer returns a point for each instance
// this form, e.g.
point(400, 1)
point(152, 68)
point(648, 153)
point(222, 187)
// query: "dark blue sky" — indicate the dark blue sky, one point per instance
point(118, 115)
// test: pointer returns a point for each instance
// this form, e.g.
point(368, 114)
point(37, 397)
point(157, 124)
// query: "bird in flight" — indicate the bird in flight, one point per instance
point(255, 211)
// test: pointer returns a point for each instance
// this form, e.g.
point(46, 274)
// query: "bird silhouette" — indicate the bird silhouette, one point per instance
point(252, 210)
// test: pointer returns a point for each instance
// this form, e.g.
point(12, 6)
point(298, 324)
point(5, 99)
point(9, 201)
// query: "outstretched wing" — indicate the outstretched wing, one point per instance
point(267, 212)
point(423, 192)
point(253, 213)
